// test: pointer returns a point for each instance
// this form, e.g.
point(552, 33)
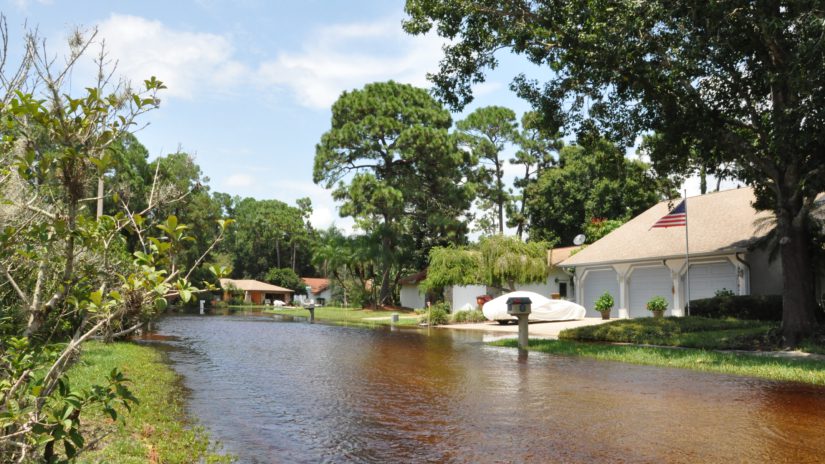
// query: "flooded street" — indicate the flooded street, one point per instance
point(275, 391)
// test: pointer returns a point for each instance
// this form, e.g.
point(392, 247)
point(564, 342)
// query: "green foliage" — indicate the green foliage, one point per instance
point(485, 132)
point(598, 228)
point(657, 303)
point(287, 278)
point(497, 261)
point(437, 314)
point(594, 189)
point(604, 302)
point(724, 293)
point(397, 170)
point(755, 307)
point(716, 95)
point(269, 233)
point(474, 315)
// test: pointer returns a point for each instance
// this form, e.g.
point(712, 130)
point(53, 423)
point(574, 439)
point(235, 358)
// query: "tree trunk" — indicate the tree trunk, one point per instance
point(293, 257)
point(278, 252)
point(384, 294)
point(798, 299)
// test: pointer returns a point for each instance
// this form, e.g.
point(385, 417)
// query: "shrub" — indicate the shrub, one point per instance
point(474, 315)
point(437, 314)
point(724, 292)
point(754, 307)
point(605, 302)
point(657, 303)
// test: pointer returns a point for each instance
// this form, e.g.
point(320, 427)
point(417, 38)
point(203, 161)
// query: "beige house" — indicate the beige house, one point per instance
point(636, 262)
point(255, 291)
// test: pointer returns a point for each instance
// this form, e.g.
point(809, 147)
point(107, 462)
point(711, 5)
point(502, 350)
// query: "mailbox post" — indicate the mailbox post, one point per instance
point(311, 308)
point(520, 307)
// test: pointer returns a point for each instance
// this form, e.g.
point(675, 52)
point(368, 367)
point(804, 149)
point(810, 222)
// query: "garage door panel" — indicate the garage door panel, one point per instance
point(707, 278)
point(595, 284)
point(645, 283)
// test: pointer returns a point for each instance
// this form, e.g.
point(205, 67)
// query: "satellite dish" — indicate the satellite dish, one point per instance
point(578, 239)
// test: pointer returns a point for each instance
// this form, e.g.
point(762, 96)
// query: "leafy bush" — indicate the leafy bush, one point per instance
point(605, 302)
point(657, 303)
point(754, 307)
point(724, 292)
point(474, 315)
point(437, 314)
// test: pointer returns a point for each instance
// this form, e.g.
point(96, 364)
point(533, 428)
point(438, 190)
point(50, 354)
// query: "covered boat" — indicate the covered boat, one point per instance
point(543, 309)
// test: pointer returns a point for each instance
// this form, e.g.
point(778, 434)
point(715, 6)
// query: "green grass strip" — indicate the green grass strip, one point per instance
point(791, 370)
point(156, 429)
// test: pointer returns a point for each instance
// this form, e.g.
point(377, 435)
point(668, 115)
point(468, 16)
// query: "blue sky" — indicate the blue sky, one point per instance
point(251, 82)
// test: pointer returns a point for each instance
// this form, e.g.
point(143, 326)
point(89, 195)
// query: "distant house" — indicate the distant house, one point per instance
point(255, 292)
point(636, 262)
point(557, 285)
point(319, 291)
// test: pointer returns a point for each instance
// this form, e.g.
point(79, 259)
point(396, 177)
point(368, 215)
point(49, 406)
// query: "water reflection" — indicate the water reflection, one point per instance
point(295, 392)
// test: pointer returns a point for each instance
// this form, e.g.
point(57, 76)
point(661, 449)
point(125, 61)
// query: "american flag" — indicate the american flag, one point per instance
point(677, 217)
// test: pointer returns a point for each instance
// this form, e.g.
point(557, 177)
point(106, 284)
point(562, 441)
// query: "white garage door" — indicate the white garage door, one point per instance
point(595, 284)
point(706, 279)
point(644, 284)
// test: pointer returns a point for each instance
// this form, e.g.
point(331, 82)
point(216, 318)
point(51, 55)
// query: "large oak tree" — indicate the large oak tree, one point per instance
point(397, 169)
point(736, 81)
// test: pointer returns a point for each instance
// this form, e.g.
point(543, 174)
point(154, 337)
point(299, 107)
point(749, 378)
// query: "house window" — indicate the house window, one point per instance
point(563, 289)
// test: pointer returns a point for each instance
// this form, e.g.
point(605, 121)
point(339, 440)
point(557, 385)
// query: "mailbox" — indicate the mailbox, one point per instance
point(518, 305)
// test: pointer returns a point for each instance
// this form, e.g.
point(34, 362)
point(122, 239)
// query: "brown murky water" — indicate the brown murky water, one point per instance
point(274, 391)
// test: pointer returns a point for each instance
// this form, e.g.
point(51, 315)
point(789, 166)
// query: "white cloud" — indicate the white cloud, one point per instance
point(24, 4)
point(239, 181)
point(347, 56)
point(187, 62)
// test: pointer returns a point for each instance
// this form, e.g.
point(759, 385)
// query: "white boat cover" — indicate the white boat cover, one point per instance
point(543, 309)
point(278, 303)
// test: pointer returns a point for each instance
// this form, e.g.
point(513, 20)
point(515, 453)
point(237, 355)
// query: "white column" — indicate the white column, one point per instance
point(622, 271)
point(677, 268)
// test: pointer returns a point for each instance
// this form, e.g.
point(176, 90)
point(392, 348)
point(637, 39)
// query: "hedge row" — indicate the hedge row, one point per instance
point(754, 307)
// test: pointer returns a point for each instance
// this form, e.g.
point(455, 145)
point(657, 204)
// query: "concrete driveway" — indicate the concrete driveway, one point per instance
point(536, 329)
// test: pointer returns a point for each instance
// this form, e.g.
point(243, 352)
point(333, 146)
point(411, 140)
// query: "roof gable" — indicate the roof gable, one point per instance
point(316, 284)
point(718, 222)
point(249, 285)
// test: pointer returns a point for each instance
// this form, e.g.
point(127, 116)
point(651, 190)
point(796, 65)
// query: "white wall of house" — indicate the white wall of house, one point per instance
point(464, 295)
point(411, 297)
point(633, 284)
point(551, 285)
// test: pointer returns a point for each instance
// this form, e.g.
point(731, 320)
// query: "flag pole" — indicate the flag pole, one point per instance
point(687, 255)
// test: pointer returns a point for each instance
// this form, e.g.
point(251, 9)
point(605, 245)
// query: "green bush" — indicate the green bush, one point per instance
point(605, 302)
point(474, 315)
point(657, 303)
point(754, 307)
point(437, 314)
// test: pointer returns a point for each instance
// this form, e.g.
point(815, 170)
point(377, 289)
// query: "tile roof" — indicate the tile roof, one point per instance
point(249, 285)
point(316, 284)
point(559, 254)
point(717, 222)
point(413, 279)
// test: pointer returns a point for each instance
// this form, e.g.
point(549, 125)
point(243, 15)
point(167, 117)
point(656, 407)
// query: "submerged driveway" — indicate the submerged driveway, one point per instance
point(538, 329)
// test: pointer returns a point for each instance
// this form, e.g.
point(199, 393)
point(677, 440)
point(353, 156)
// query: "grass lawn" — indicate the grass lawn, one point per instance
point(156, 429)
point(689, 332)
point(793, 370)
point(337, 315)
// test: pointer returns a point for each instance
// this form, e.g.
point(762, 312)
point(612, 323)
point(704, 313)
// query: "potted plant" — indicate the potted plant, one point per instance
point(657, 305)
point(604, 304)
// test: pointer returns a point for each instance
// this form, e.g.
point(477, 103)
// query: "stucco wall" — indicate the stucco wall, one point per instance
point(411, 297)
point(467, 294)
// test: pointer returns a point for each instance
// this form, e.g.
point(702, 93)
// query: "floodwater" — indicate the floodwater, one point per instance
point(276, 391)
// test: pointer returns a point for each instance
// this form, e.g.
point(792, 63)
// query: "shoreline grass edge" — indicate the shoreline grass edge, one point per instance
point(157, 429)
point(747, 365)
